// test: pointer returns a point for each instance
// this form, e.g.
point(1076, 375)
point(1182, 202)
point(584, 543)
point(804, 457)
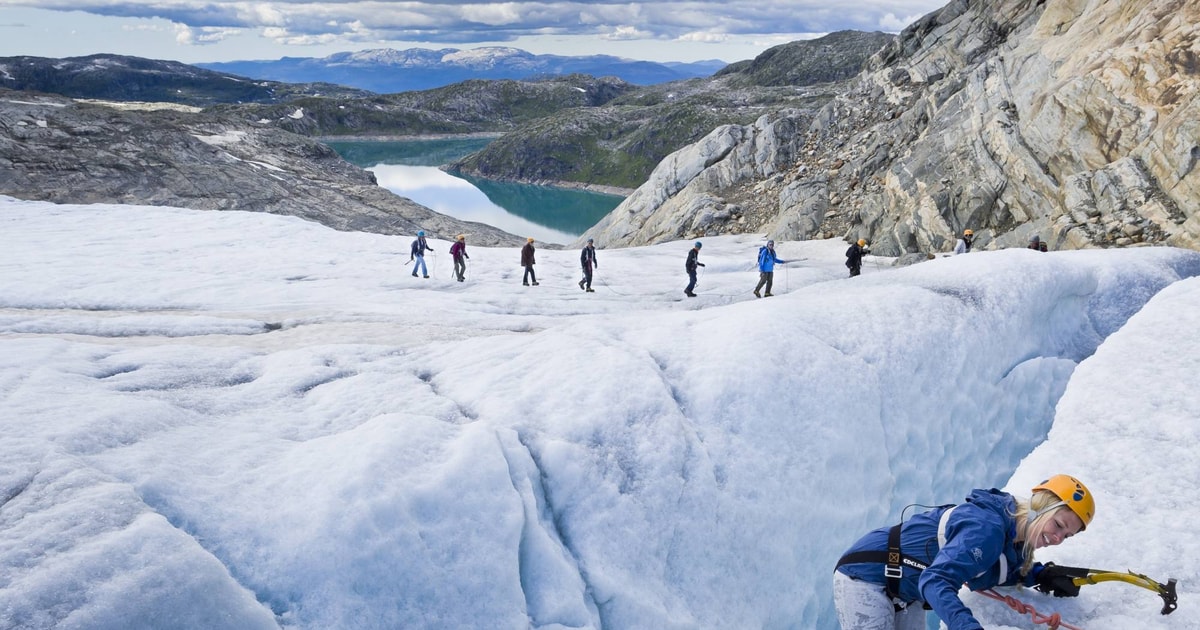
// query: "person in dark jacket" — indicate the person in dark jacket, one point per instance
point(459, 252)
point(854, 256)
point(527, 262)
point(693, 261)
point(1037, 243)
point(766, 268)
point(587, 260)
point(419, 247)
point(986, 542)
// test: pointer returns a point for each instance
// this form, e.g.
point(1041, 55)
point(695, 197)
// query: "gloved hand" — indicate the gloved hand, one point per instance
point(1058, 581)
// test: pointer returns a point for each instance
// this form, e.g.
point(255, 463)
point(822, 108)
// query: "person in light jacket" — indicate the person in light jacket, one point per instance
point(527, 262)
point(964, 244)
point(987, 541)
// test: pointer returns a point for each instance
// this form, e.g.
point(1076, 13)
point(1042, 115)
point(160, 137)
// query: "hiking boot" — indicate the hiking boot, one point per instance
point(689, 294)
point(581, 287)
point(426, 276)
point(589, 290)
point(415, 275)
point(526, 283)
point(756, 294)
point(768, 295)
point(535, 284)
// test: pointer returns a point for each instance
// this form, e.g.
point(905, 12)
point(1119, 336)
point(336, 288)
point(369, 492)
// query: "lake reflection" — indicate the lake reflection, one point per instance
point(409, 169)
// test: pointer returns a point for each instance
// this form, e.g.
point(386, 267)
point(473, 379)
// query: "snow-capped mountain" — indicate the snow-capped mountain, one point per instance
point(386, 70)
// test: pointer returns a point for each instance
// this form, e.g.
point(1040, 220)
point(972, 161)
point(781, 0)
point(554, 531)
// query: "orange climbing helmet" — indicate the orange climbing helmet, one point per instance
point(1073, 494)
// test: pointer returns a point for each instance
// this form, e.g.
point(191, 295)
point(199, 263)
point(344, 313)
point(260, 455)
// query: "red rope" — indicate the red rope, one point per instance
point(1053, 621)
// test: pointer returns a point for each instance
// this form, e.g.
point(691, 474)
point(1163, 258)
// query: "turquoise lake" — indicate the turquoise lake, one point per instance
point(410, 169)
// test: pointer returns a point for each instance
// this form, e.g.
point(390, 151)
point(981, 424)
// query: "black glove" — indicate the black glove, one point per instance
point(1059, 581)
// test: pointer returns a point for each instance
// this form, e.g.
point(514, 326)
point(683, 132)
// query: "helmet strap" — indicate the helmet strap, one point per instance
point(1034, 515)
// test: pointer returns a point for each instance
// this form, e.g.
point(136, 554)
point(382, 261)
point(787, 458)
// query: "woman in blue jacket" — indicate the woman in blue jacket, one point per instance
point(986, 542)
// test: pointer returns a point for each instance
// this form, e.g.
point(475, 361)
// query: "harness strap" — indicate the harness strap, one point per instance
point(894, 560)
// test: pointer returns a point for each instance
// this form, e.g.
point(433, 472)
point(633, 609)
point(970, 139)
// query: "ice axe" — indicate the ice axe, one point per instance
point(1080, 576)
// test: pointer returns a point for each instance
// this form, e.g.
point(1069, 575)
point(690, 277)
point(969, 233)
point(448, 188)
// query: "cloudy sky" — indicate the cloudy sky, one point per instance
point(195, 31)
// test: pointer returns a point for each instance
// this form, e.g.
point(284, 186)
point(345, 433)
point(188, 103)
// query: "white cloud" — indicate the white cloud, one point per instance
point(625, 33)
point(202, 36)
point(706, 37)
point(892, 24)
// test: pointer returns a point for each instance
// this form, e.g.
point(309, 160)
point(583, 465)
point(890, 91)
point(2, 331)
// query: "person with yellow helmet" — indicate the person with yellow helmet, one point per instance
point(854, 256)
point(887, 578)
point(964, 244)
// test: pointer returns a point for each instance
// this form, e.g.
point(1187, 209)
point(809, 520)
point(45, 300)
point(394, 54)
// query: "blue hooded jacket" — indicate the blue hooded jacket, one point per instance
point(980, 551)
point(767, 259)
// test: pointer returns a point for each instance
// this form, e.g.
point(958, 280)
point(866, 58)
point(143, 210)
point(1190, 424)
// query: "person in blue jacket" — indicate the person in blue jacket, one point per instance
point(766, 268)
point(986, 542)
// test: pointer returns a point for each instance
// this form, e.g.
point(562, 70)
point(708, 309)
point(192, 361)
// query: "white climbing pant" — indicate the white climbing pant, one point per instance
point(865, 606)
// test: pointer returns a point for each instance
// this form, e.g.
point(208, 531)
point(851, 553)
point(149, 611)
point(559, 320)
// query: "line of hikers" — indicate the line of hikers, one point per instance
point(767, 259)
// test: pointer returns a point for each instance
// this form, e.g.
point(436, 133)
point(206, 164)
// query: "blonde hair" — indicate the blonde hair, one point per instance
point(1042, 505)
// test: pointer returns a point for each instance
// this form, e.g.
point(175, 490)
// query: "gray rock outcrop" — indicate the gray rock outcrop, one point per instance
point(56, 149)
point(1076, 120)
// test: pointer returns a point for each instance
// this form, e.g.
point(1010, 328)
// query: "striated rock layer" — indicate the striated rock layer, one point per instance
point(1075, 120)
point(56, 149)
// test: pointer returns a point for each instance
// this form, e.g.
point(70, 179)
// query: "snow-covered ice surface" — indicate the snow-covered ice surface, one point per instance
point(239, 420)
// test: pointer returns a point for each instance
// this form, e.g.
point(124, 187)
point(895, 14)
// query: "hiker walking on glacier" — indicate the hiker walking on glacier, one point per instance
point(693, 261)
point(419, 247)
point(767, 259)
point(458, 251)
point(587, 260)
point(854, 256)
point(527, 262)
point(987, 541)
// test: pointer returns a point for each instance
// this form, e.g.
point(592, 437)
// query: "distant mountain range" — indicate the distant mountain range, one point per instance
point(387, 71)
point(123, 78)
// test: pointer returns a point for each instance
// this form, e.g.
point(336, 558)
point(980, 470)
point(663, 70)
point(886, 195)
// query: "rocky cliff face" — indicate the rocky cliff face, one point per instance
point(1076, 120)
point(618, 142)
point(56, 149)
